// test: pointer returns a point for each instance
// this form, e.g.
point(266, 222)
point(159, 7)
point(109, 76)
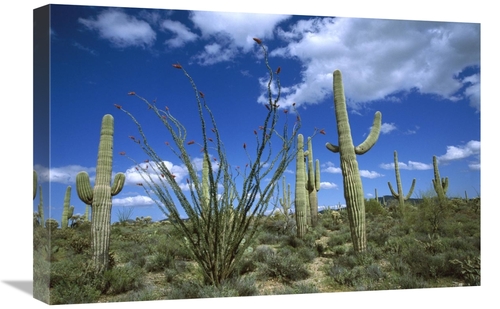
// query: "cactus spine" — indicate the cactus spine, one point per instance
point(353, 187)
point(313, 183)
point(400, 195)
point(300, 189)
point(99, 197)
point(440, 184)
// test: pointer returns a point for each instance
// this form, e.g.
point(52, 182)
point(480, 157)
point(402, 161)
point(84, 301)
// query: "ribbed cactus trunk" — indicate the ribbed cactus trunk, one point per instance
point(313, 182)
point(399, 195)
point(99, 197)
point(440, 184)
point(66, 211)
point(286, 201)
point(35, 183)
point(300, 189)
point(40, 208)
point(353, 187)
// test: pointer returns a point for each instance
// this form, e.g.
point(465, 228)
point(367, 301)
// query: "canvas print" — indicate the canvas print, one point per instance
point(201, 154)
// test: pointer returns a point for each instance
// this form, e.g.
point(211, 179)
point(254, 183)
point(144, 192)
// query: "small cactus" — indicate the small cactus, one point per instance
point(67, 213)
point(399, 195)
point(313, 183)
point(440, 184)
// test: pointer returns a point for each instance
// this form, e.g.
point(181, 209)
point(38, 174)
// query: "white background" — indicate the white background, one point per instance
point(16, 151)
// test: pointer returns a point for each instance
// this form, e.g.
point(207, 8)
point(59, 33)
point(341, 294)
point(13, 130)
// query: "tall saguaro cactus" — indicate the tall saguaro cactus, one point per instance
point(400, 196)
point(99, 197)
point(313, 183)
point(300, 189)
point(353, 187)
point(440, 184)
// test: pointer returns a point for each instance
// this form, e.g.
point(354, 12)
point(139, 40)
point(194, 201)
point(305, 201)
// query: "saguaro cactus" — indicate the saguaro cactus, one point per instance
point(40, 208)
point(440, 184)
point(353, 188)
point(300, 189)
point(35, 183)
point(400, 195)
point(67, 213)
point(286, 201)
point(313, 183)
point(99, 197)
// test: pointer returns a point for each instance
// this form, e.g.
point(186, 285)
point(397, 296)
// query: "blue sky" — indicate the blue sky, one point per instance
point(424, 77)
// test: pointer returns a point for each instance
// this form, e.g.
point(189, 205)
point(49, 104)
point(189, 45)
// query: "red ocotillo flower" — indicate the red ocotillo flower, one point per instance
point(322, 131)
point(166, 108)
point(257, 40)
point(118, 106)
point(131, 137)
point(139, 184)
point(166, 143)
point(285, 111)
point(131, 93)
point(202, 94)
point(213, 130)
point(278, 70)
point(122, 153)
point(254, 132)
point(190, 142)
point(244, 145)
point(177, 66)
point(210, 139)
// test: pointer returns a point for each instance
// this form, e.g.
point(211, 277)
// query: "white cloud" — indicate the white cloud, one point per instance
point(387, 128)
point(460, 152)
point(65, 174)
point(121, 29)
point(379, 57)
point(139, 200)
point(411, 165)
point(329, 167)
point(370, 174)
point(233, 32)
point(182, 34)
point(328, 185)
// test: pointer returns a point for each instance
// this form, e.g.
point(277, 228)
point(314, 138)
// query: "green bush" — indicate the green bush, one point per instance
point(284, 266)
point(121, 279)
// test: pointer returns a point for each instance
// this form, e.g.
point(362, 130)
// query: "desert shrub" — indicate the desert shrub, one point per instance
point(470, 269)
point(410, 281)
point(284, 266)
point(373, 208)
point(296, 288)
point(121, 279)
point(67, 292)
point(343, 275)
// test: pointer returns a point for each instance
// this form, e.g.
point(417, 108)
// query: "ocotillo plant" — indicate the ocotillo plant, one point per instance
point(440, 184)
point(99, 197)
point(353, 187)
point(217, 235)
point(313, 183)
point(301, 199)
point(35, 183)
point(399, 195)
point(66, 209)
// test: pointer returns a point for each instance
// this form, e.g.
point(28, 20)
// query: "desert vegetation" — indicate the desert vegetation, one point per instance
point(229, 245)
